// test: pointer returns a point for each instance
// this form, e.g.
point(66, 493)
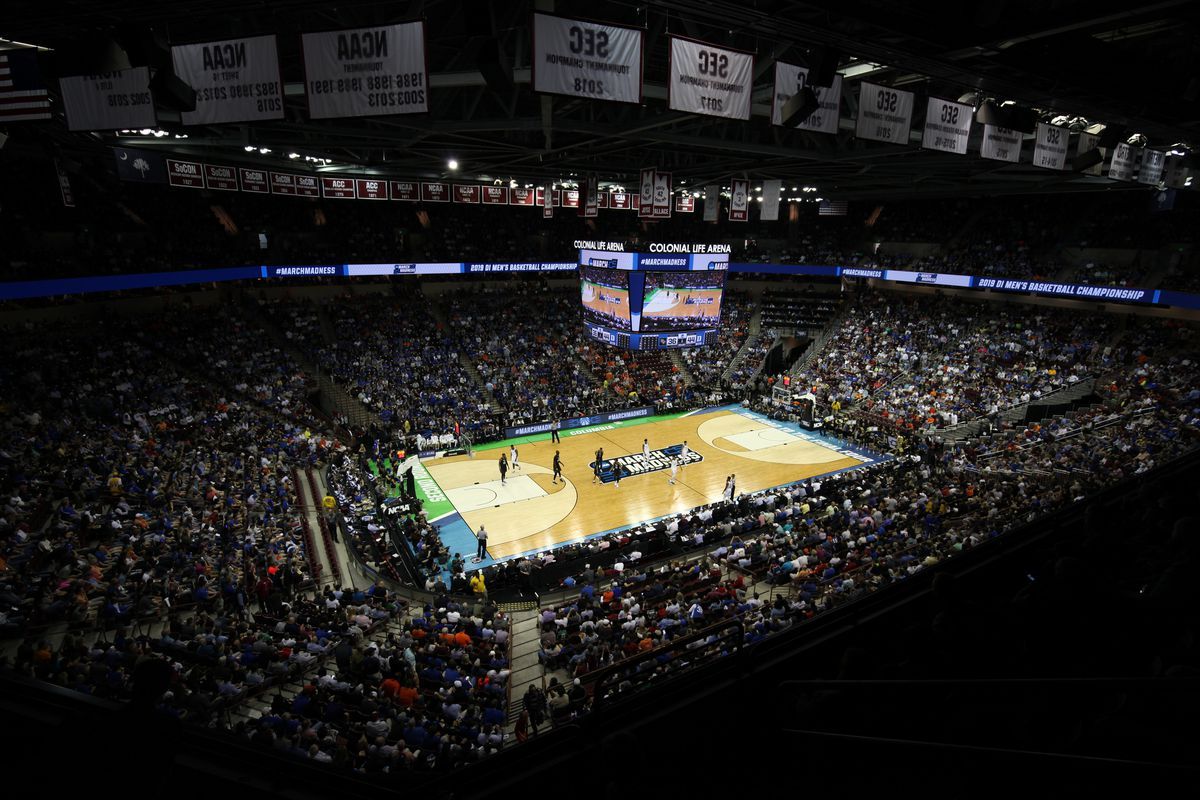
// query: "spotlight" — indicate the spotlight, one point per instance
point(452, 165)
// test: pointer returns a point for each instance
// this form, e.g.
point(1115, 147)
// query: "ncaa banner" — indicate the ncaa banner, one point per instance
point(1151, 171)
point(712, 202)
point(1000, 144)
point(1050, 146)
point(646, 193)
point(884, 114)
point(706, 79)
point(770, 203)
point(110, 100)
point(739, 201)
point(366, 72)
point(947, 126)
point(661, 206)
point(1088, 142)
point(236, 80)
point(595, 60)
point(790, 80)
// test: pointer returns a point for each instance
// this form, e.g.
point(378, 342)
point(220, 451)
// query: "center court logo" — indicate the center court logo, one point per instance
point(638, 464)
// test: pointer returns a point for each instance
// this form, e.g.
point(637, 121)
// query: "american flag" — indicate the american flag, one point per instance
point(833, 208)
point(22, 94)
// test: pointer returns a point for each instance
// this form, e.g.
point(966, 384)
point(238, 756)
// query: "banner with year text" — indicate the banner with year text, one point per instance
point(579, 58)
point(366, 71)
point(706, 79)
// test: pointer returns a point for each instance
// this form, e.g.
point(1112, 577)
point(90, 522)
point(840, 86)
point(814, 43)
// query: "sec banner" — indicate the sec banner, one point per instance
point(1050, 146)
point(947, 126)
point(706, 79)
point(1000, 144)
point(109, 100)
point(884, 114)
point(236, 80)
point(587, 59)
point(790, 80)
point(366, 72)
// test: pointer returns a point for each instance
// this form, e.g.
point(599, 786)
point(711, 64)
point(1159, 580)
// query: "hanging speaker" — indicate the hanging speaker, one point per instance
point(798, 107)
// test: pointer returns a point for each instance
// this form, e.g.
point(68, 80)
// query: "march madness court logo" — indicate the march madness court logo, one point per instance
point(639, 464)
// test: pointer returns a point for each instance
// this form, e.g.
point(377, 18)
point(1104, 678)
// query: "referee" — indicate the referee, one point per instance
point(554, 426)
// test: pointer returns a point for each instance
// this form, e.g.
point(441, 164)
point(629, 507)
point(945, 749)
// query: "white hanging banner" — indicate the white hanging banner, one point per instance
point(366, 71)
point(646, 193)
point(591, 197)
point(1050, 146)
point(712, 202)
point(770, 202)
point(661, 206)
point(1000, 144)
point(587, 59)
point(109, 100)
point(947, 126)
point(1124, 162)
point(236, 80)
point(1151, 171)
point(706, 79)
point(1088, 142)
point(789, 81)
point(548, 193)
point(884, 114)
point(739, 201)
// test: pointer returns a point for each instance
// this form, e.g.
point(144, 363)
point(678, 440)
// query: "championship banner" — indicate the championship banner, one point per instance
point(1087, 142)
point(661, 204)
point(64, 185)
point(1151, 170)
point(685, 204)
point(222, 179)
point(706, 79)
point(495, 196)
point(1050, 146)
point(570, 198)
point(1000, 144)
point(306, 186)
point(603, 198)
point(283, 183)
point(408, 191)
point(338, 188)
point(466, 193)
point(522, 197)
point(109, 101)
point(236, 80)
point(188, 174)
point(591, 197)
point(554, 198)
point(770, 203)
point(884, 114)
point(435, 192)
point(739, 201)
point(620, 200)
point(646, 193)
point(790, 80)
point(712, 202)
point(547, 197)
point(947, 126)
point(254, 180)
point(371, 188)
point(595, 60)
point(366, 72)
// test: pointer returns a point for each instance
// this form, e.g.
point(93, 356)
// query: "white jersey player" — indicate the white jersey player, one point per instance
point(645, 448)
point(513, 463)
point(674, 470)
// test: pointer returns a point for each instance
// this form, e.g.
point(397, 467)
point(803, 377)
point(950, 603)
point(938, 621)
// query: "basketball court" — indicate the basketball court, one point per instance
point(528, 513)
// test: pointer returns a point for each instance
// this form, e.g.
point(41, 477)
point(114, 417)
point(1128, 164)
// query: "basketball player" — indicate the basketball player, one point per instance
point(512, 458)
point(503, 468)
point(674, 471)
point(727, 492)
point(557, 468)
point(646, 448)
point(683, 452)
point(598, 464)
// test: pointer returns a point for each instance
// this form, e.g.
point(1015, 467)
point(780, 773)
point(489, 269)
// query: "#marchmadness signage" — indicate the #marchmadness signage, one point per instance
point(639, 464)
point(579, 422)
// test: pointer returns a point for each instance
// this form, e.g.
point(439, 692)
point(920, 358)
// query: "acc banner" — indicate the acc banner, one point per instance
point(884, 114)
point(587, 59)
point(790, 80)
point(1151, 170)
point(1050, 146)
point(365, 72)
point(947, 126)
point(236, 80)
point(1000, 144)
point(706, 79)
point(739, 201)
point(110, 100)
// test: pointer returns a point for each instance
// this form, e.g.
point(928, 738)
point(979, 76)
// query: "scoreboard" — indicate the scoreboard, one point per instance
point(669, 296)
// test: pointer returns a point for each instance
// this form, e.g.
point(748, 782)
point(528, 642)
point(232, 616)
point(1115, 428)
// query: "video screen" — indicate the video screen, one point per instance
point(680, 301)
point(605, 294)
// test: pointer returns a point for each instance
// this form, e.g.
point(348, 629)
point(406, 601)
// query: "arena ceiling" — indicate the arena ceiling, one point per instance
point(1110, 62)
